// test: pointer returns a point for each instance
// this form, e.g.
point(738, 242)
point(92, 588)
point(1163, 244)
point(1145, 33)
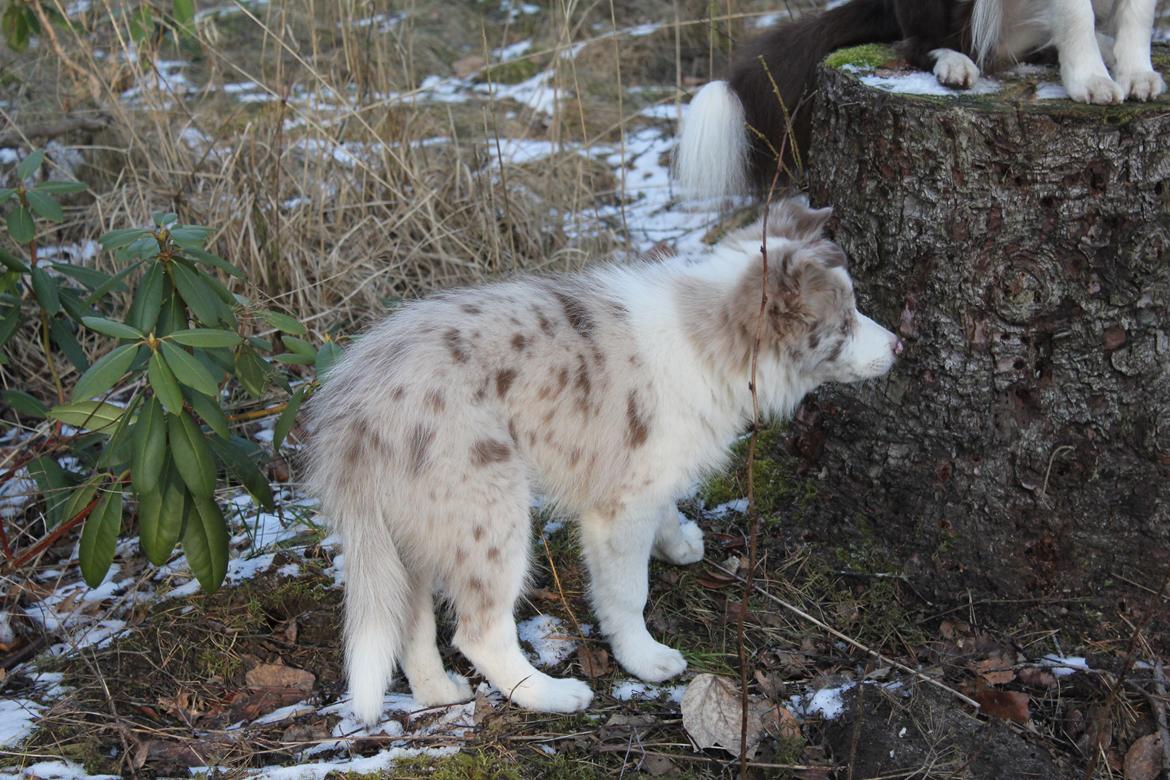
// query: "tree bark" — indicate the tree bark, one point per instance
point(1019, 247)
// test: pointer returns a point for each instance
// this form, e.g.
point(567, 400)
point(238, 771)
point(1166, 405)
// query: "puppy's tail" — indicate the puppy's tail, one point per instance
point(377, 608)
point(774, 76)
point(710, 160)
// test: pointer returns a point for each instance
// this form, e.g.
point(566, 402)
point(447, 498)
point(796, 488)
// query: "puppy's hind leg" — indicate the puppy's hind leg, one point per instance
point(678, 540)
point(430, 684)
point(490, 565)
point(617, 550)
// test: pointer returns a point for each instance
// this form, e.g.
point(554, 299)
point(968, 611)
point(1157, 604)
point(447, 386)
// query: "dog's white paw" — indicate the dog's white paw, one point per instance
point(688, 547)
point(955, 69)
point(650, 661)
point(550, 694)
point(1099, 90)
point(1142, 85)
point(440, 691)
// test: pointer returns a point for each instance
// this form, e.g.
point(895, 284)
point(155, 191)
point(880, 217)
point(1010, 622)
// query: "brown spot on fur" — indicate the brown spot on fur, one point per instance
point(353, 451)
point(504, 379)
point(476, 584)
point(477, 532)
point(398, 392)
point(493, 553)
point(418, 447)
point(575, 456)
point(456, 345)
point(582, 382)
point(576, 313)
point(519, 342)
point(814, 339)
point(486, 451)
point(546, 325)
point(471, 309)
point(638, 428)
point(434, 399)
point(460, 556)
point(836, 352)
point(562, 378)
point(512, 428)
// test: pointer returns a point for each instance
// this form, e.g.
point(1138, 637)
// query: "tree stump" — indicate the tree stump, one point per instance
point(1019, 246)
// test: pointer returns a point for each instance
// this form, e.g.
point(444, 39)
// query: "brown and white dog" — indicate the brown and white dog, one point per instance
point(609, 393)
point(737, 132)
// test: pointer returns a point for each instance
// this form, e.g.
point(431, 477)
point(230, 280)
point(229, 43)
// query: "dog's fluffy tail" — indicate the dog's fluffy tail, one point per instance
point(710, 160)
point(774, 77)
point(377, 608)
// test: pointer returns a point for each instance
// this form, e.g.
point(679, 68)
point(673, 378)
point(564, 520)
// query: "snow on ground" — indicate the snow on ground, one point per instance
point(923, 83)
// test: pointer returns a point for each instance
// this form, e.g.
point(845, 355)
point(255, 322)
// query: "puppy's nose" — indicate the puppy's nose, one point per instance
point(897, 347)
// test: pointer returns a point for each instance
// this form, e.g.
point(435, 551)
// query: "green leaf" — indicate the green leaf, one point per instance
point(116, 239)
point(164, 384)
point(147, 299)
point(17, 26)
point(300, 346)
point(6, 194)
point(164, 218)
point(184, 13)
point(91, 415)
point(107, 370)
point(282, 322)
point(190, 236)
point(45, 289)
point(59, 187)
point(326, 357)
point(162, 515)
point(209, 410)
point(205, 337)
point(173, 314)
point(112, 283)
point(9, 324)
point(52, 482)
point(45, 205)
point(244, 469)
point(20, 225)
point(118, 330)
point(293, 359)
point(99, 538)
point(62, 334)
point(188, 370)
point(141, 23)
point(12, 263)
point(251, 370)
point(284, 423)
point(197, 295)
point(80, 498)
point(29, 164)
point(149, 448)
point(142, 248)
point(114, 454)
point(87, 276)
point(205, 541)
point(213, 260)
point(23, 403)
point(191, 455)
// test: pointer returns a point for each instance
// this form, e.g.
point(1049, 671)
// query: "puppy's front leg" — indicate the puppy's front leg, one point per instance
point(617, 549)
point(1131, 50)
point(678, 540)
point(1082, 69)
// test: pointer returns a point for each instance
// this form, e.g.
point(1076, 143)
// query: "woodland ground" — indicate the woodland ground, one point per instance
point(353, 154)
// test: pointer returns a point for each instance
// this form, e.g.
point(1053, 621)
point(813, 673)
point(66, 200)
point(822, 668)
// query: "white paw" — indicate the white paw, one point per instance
point(650, 661)
point(550, 694)
point(1099, 90)
point(440, 691)
point(954, 69)
point(689, 547)
point(1142, 85)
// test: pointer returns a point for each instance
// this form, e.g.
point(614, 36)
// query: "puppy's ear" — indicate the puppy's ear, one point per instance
point(795, 220)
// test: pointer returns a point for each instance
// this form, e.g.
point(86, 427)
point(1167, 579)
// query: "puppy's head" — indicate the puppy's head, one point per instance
point(811, 319)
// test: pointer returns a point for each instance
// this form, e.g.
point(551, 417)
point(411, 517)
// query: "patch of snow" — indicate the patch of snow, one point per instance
point(642, 30)
point(548, 638)
point(631, 690)
point(17, 717)
point(739, 506)
point(285, 713)
point(512, 51)
point(825, 703)
point(552, 526)
point(922, 83)
point(1049, 90)
point(55, 770)
point(1063, 666)
point(770, 20)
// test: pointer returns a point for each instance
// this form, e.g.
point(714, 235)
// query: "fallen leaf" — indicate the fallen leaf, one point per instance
point(465, 66)
point(997, 669)
point(1143, 760)
point(780, 723)
point(594, 661)
point(305, 732)
point(279, 676)
point(657, 766)
point(1036, 677)
point(1005, 705)
point(711, 714)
